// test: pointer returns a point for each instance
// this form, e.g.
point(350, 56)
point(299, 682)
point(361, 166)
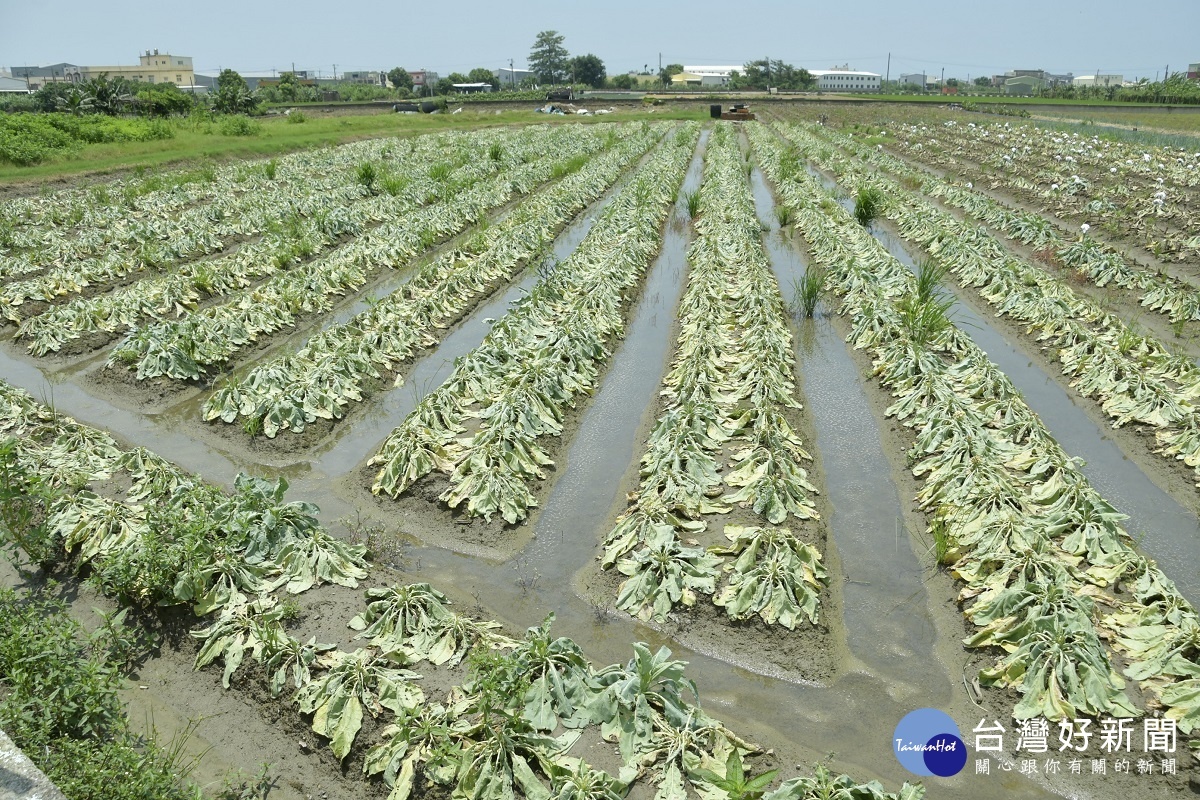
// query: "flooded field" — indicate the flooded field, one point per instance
point(569, 372)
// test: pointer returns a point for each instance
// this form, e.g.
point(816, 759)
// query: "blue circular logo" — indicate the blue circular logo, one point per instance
point(927, 743)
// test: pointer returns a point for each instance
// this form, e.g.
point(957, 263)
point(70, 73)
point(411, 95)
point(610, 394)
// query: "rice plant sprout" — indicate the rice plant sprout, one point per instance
point(807, 291)
point(925, 313)
point(867, 205)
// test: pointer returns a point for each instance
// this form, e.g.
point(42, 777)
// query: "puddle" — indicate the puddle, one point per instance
point(567, 531)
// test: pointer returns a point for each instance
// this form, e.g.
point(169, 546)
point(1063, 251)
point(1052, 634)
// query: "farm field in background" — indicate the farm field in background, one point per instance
point(855, 409)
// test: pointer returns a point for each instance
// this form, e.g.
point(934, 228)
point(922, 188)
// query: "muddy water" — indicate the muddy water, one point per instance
point(133, 427)
point(885, 600)
point(1166, 530)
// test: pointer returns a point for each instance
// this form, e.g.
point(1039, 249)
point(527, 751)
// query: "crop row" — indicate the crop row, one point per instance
point(170, 538)
point(117, 233)
point(1132, 375)
point(191, 346)
point(537, 360)
point(334, 367)
point(508, 728)
point(1048, 572)
point(1098, 262)
point(728, 388)
point(1128, 191)
point(300, 226)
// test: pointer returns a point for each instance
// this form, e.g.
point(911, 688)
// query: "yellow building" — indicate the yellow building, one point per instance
point(154, 67)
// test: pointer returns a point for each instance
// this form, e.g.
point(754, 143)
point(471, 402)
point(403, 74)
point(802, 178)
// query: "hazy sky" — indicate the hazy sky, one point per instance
point(964, 37)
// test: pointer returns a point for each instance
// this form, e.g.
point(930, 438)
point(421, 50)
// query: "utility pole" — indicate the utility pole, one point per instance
point(335, 72)
point(512, 75)
point(889, 69)
point(768, 72)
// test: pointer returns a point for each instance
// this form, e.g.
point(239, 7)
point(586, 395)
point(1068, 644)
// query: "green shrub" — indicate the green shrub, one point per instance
point(27, 139)
point(61, 706)
point(238, 125)
point(296, 118)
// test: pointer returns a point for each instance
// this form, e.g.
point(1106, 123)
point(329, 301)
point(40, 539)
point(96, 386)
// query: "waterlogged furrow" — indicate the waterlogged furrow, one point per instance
point(301, 234)
point(1039, 552)
point(190, 347)
point(148, 224)
point(537, 360)
point(505, 732)
point(335, 367)
point(1133, 376)
point(728, 387)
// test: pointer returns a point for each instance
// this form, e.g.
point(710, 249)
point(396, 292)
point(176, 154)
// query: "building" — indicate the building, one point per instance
point(369, 78)
point(1098, 80)
point(1025, 85)
point(846, 80)
point(152, 67)
point(9, 85)
point(1060, 79)
point(1193, 72)
point(424, 81)
point(510, 78)
point(709, 75)
point(37, 77)
point(471, 88)
point(914, 79)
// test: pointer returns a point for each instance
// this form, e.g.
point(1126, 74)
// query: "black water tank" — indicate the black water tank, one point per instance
point(714, 111)
point(428, 107)
point(406, 108)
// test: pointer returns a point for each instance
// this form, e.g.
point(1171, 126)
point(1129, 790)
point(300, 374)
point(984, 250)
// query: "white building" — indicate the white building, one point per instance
point(510, 78)
point(846, 80)
point(712, 76)
point(11, 85)
point(914, 79)
point(368, 77)
point(1098, 80)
